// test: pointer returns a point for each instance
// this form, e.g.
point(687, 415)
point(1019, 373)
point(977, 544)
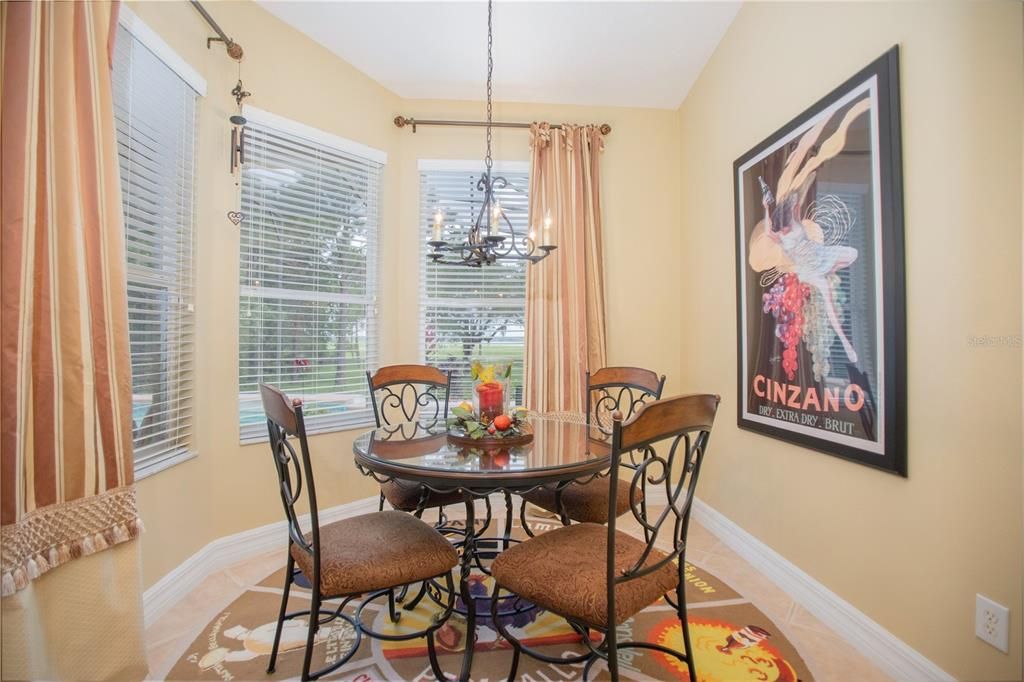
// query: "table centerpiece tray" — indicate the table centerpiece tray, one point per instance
point(469, 427)
point(523, 435)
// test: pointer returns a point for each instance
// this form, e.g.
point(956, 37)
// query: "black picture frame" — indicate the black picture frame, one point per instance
point(792, 342)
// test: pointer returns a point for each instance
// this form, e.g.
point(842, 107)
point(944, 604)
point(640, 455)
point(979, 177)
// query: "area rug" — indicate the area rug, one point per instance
point(733, 641)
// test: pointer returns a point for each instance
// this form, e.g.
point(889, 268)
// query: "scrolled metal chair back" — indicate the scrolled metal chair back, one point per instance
point(407, 393)
point(681, 427)
point(285, 424)
point(620, 389)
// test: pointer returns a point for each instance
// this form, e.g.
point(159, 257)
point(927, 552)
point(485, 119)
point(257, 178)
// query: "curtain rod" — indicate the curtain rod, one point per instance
point(233, 48)
point(402, 121)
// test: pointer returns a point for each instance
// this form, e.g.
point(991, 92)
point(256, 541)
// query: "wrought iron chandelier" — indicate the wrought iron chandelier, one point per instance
point(492, 236)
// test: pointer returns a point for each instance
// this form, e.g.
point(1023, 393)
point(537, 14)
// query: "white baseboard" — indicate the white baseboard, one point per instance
point(891, 654)
point(229, 550)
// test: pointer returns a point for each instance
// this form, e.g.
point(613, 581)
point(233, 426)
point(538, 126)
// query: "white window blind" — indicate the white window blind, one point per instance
point(471, 313)
point(309, 250)
point(155, 114)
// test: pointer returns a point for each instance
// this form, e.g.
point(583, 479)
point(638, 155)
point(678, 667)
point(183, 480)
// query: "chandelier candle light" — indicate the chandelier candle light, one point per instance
point(487, 241)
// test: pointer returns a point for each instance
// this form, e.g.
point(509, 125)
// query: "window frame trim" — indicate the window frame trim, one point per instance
point(290, 126)
point(152, 464)
point(149, 38)
point(471, 166)
point(249, 434)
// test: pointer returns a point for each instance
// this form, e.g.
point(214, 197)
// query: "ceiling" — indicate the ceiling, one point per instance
point(638, 54)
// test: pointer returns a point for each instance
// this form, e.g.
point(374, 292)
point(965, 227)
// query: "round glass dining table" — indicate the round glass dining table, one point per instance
point(562, 451)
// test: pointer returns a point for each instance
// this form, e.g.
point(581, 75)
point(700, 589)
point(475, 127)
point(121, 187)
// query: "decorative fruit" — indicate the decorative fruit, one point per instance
point(466, 405)
point(491, 429)
point(502, 422)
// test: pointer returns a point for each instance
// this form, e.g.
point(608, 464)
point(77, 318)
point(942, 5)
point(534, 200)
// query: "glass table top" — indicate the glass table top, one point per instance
point(422, 450)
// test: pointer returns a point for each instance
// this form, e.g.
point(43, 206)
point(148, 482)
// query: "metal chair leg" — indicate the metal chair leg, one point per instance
point(684, 622)
point(611, 642)
point(288, 574)
point(510, 640)
point(380, 507)
point(392, 611)
point(314, 623)
point(435, 666)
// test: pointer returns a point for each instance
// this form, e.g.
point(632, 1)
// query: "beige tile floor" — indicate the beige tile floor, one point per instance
point(830, 658)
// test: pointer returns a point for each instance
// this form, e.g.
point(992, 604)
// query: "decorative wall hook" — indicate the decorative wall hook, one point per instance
point(234, 50)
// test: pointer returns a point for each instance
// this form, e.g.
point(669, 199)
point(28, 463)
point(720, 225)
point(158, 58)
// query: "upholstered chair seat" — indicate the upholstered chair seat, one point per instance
point(376, 551)
point(585, 502)
point(565, 571)
point(406, 496)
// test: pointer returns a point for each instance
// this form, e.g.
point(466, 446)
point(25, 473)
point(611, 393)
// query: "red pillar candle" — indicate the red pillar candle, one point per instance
point(491, 399)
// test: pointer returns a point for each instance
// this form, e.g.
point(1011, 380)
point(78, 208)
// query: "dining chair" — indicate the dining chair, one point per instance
point(406, 393)
point(609, 389)
point(369, 556)
point(596, 576)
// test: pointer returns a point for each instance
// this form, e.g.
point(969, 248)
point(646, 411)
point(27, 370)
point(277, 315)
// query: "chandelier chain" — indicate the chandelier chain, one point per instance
point(493, 237)
point(490, 77)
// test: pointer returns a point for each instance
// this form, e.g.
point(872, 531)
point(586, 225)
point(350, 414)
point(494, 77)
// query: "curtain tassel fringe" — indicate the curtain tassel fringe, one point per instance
point(84, 547)
point(7, 587)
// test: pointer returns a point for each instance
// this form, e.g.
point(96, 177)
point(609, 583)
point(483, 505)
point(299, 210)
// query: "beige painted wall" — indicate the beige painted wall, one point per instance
point(228, 487)
point(910, 553)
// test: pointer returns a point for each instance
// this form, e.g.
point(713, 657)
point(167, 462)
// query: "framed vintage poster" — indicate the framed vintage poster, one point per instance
point(820, 287)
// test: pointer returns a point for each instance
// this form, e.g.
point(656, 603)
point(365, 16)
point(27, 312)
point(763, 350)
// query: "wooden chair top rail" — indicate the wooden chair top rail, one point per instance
point(280, 409)
point(670, 417)
point(407, 374)
point(630, 376)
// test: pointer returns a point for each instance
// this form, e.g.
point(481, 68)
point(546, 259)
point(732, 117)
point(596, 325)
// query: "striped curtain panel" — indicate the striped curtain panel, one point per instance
point(66, 449)
point(565, 329)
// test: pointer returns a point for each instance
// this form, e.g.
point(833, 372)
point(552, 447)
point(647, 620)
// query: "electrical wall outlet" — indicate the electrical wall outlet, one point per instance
point(992, 623)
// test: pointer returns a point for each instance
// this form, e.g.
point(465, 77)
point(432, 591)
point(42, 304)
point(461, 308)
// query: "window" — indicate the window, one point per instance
point(155, 113)
point(471, 313)
point(309, 249)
